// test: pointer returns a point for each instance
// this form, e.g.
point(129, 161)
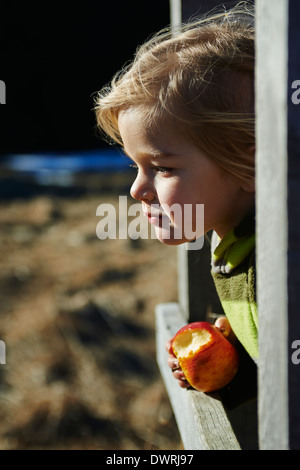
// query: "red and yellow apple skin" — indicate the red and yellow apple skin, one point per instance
point(208, 360)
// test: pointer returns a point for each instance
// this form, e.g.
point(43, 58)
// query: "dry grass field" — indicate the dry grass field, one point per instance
point(77, 318)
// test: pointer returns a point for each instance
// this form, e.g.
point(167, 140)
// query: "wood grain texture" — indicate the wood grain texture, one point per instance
point(271, 204)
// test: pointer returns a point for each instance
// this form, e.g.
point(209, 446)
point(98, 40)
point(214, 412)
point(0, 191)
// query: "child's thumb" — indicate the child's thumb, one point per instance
point(223, 325)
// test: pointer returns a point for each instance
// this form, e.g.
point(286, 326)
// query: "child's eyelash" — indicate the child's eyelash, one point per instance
point(162, 169)
point(159, 169)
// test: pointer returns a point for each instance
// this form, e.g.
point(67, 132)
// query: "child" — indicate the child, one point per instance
point(183, 111)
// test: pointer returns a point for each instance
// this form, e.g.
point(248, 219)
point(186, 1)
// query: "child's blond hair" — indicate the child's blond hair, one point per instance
point(203, 79)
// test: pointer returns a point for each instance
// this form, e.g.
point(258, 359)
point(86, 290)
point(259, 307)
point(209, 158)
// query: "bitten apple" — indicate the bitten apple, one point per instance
point(209, 361)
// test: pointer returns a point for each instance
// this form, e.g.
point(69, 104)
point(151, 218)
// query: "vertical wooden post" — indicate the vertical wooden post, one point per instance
point(2, 92)
point(2, 352)
point(278, 222)
point(175, 15)
point(272, 220)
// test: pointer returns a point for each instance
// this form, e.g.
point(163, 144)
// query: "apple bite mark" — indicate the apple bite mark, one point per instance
point(208, 360)
point(190, 341)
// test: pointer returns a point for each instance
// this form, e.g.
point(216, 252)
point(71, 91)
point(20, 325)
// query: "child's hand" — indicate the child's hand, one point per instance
point(223, 325)
point(176, 369)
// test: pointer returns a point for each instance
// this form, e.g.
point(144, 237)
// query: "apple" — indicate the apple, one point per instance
point(208, 360)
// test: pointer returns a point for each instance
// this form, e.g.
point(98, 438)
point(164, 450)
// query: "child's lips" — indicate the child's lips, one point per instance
point(154, 217)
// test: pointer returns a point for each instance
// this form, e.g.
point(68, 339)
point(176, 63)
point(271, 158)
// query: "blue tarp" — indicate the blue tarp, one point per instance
point(49, 168)
point(90, 160)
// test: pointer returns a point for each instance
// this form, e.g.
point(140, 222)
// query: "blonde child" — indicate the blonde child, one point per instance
point(183, 111)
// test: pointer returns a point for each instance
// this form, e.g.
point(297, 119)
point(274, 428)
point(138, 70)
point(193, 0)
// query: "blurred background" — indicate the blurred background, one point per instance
point(76, 313)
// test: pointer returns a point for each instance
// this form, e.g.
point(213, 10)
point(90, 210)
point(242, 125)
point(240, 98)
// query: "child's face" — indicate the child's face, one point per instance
point(173, 171)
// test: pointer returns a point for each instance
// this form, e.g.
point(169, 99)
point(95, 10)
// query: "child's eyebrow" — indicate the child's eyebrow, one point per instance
point(154, 154)
point(161, 154)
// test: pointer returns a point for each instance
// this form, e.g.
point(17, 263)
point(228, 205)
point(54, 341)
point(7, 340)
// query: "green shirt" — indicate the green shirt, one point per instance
point(234, 274)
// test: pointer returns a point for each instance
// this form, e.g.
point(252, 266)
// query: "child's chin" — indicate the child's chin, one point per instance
point(168, 238)
point(171, 242)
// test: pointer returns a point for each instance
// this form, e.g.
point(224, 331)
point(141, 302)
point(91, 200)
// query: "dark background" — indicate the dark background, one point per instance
point(54, 56)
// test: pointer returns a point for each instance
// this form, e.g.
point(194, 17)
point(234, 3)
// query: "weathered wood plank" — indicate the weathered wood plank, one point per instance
point(201, 418)
point(175, 15)
point(271, 202)
point(2, 92)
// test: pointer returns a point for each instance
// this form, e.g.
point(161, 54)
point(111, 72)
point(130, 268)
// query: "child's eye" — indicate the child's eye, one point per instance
point(162, 169)
point(157, 169)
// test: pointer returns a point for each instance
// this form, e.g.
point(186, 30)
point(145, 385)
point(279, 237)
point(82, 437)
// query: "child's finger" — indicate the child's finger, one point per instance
point(169, 347)
point(224, 327)
point(173, 363)
point(180, 377)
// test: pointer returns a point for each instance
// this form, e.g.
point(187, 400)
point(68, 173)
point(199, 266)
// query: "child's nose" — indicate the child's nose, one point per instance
point(142, 189)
